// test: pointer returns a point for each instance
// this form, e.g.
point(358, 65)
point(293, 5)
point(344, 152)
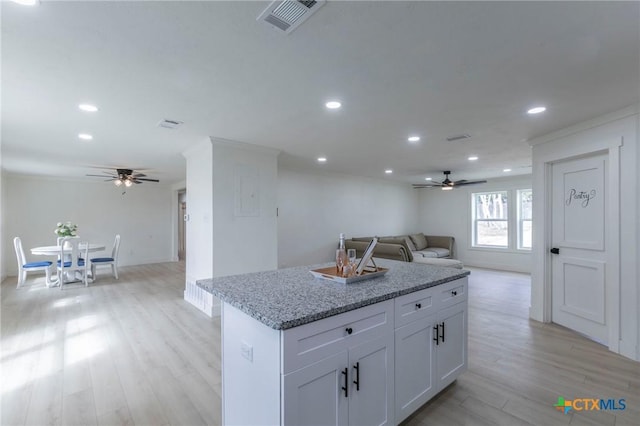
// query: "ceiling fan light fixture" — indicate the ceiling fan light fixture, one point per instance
point(117, 182)
point(128, 183)
point(447, 188)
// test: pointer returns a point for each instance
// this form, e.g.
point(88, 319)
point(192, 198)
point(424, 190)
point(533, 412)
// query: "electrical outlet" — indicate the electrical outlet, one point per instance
point(246, 350)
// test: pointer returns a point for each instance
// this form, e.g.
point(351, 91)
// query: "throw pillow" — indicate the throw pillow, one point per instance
point(410, 244)
point(420, 241)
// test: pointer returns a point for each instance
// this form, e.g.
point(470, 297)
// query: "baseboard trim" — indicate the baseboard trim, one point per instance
point(497, 266)
point(629, 350)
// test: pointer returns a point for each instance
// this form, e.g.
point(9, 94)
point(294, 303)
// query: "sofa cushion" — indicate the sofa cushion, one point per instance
point(419, 241)
point(391, 240)
point(398, 241)
point(450, 263)
point(425, 253)
point(409, 242)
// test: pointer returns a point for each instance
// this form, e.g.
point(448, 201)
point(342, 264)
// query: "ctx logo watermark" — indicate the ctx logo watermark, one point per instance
point(589, 404)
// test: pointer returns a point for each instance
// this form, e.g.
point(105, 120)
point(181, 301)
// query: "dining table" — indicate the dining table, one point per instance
point(55, 251)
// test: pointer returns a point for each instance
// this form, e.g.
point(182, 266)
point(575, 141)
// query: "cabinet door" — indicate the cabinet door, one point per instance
point(451, 351)
point(372, 385)
point(314, 396)
point(415, 378)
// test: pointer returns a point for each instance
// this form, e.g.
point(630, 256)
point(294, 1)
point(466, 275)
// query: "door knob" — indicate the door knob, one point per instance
point(555, 250)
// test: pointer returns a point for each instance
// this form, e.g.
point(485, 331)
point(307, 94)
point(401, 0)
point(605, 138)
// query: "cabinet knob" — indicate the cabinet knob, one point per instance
point(349, 330)
point(418, 305)
point(455, 293)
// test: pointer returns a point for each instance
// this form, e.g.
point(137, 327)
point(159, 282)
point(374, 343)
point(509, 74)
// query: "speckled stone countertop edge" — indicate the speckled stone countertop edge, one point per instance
point(283, 325)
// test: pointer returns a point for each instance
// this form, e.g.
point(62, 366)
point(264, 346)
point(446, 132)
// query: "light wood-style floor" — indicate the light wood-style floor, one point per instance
point(133, 351)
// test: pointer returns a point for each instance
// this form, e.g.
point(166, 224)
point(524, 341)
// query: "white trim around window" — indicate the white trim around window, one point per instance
point(512, 215)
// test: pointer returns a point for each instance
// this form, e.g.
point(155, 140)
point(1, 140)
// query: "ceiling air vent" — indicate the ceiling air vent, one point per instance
point(287, 15)
point(170, 124)
point(458, 137)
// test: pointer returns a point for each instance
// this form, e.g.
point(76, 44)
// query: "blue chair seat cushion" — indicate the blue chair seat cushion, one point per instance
point(68, 264)
point(37, 264)
point(102, 259)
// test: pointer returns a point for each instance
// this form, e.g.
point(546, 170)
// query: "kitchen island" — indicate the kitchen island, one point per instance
point(302, 350)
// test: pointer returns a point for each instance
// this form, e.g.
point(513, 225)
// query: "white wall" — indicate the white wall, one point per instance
point(596, 135)
point(2, 226)
point(35, 204)
point(199, 226)
point(244, 208)
point(315, 208)
point(449, 213)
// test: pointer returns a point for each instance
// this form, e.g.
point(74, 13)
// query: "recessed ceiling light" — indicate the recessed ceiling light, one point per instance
point(506, 170)
point(473, 158)
point(333, 104)
point(388, 171)
point(27, 2)
point(413, 138)
point(88, 107)
point(537, 110)
point(428, 178)
point(85, 136)
point(322, 160)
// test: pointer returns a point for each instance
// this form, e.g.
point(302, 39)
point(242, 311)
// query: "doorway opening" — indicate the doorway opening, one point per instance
point(182, 223)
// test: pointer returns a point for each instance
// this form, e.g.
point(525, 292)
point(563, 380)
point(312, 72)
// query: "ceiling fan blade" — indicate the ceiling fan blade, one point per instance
point(470, 182)
point(137, 175)
point(147, 180)
point(112, 176)
point(426, 185)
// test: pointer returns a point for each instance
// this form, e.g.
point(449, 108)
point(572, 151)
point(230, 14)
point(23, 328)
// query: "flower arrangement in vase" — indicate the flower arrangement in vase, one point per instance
point(66, 229)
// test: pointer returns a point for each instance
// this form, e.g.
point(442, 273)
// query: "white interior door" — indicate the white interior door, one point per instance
point(579, 253)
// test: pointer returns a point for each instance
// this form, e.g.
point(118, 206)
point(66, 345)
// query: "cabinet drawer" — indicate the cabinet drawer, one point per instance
point(449, 294)
point(312, 342)
point(414, 306)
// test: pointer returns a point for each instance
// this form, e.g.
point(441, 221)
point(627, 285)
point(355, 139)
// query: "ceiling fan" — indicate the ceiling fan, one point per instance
point(126, 177)
point(447, 184)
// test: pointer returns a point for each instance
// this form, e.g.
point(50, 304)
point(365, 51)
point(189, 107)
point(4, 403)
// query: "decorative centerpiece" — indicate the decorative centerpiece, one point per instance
point(66, 229)
point(352, 271)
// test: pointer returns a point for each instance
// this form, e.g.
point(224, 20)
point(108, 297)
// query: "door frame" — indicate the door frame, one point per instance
point(555, 149)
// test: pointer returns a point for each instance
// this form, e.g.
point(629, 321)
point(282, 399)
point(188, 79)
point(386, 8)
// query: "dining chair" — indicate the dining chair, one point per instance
point(24, 266)
point(111, 261)
point(72, 262)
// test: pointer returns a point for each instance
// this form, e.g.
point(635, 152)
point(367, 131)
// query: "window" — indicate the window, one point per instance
point(491, 219)
point(525, 197)
point(502, 219)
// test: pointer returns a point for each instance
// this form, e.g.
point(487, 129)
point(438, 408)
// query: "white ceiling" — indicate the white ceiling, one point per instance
point(399, 68)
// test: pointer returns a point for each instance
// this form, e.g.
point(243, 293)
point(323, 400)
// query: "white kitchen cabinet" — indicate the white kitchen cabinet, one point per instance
point(451, 348)
point(354, 387)
point(431, 350)
point(371, 381)
point(414, 369)
point(313, 395)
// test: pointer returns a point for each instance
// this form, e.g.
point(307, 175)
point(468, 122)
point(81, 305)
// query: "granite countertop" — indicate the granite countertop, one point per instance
point(290, 297)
